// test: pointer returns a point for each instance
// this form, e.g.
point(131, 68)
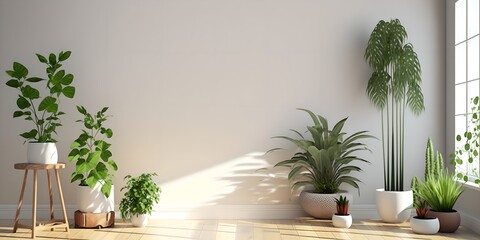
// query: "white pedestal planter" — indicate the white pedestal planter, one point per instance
point(139, 220)
point(44, 153)
point(424, 226)
point(342, 221)
point(394, 207)
point(321, 206)
point(93, 200)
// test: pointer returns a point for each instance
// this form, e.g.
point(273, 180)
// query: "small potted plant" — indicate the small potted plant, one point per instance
point(93, 164)
point(422, 223)
point(139, 199)
point(342, 219)
point(43, 112)
point(441, 193)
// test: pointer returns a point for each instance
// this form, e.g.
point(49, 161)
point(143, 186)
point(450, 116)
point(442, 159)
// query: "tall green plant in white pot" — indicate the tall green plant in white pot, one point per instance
point(43, 112)
point(93, 164)
point(393, 87)
point(324, 163)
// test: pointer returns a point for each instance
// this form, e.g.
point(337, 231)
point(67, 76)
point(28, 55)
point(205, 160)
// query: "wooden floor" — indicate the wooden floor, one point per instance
point(302, 228)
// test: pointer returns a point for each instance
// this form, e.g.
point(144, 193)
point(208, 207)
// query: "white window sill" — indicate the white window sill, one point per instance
point(471, 185)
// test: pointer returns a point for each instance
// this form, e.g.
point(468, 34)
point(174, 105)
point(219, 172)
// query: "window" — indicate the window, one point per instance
point(467, 65)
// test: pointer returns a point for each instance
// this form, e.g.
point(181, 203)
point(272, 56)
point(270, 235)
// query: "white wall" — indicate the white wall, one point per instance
point(197, 88)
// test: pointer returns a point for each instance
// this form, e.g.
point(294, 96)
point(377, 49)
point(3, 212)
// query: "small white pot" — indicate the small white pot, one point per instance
point(394, 207)
point(342, 221)
point(425, 226)
point(139, 220)
point(93, 200)
point(43, 153)
point(321, 205)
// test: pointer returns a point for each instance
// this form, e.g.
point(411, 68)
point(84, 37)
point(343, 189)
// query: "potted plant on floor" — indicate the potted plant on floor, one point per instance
point(43, 112)
point(441, 193)
point(422, 223)
point(393, 87)
point(342, 218)
point(323, 163)
point(93, 164)
point(139, 199)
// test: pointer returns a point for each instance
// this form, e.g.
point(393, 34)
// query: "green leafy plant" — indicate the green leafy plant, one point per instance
point(393, 87)
point(342, 205)
point(91, 152)
point(433, 167)
point(470, 142)
point(325, 161)
point(440, 192)
point(141, 195)
point(421, 207)
point(44, 112)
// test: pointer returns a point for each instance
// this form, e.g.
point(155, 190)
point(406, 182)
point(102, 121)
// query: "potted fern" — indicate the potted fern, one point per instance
point(43, 112)
point(342, 219)
point(393, 87)
point(323, 164)
point(139, 199)
point(93, 164)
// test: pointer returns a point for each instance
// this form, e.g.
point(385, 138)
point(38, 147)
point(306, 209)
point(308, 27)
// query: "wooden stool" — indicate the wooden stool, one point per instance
point(42, 224)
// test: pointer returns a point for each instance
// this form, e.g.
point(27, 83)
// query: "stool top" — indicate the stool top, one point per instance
point(39, 166)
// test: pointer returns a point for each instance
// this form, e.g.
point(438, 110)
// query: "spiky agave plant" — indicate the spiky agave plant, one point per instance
point(393, 87)
point(441, 192)
point(342, 205)
point(325, 161)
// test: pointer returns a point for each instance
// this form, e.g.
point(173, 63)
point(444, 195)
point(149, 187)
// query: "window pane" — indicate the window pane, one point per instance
point(461, 63)
point(460, 127)
point(472, 92)
point(460, 99)
point(473, 55)
point(473, 19)
point(460, 21)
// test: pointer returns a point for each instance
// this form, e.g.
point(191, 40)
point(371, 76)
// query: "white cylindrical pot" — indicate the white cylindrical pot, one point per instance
point(394, 206)
point(321, 205)
point(342, 221)
point(424, 226)
point(93, 201)
point(44, 153)
point(139, 220)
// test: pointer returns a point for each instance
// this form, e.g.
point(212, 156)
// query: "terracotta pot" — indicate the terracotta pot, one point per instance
point(320, 205)
point(449, 221)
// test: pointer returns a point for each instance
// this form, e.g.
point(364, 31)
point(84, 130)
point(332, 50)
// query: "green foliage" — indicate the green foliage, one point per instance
point(440, 192)
point(470, 143)
point(325, 161)
point(141, 195)
point(342, 205)
point(421, 207)
point(393, 86)
point(92, 153)
point(43, 112)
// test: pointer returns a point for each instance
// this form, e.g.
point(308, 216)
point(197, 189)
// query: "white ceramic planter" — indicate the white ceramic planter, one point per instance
point(321, 206)
point(44, 153)
point(342, 221)
point(394, 207)
point(424, 226)
point(139, 220)
point(93, 200)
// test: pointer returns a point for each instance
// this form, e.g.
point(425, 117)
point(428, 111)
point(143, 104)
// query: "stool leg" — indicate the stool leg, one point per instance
point(20, 200)
point(51, 196)
point(34, 203)
point(61, 199)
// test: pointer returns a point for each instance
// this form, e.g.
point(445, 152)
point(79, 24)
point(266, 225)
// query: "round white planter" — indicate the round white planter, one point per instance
point(44, 153)
point(321, 206)
point(342, 221)
point(425, 226)
point(394, 207)
point(93, 200)
point(139, 220)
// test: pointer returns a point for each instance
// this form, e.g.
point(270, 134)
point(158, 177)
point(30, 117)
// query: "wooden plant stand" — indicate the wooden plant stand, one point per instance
point(39, 225)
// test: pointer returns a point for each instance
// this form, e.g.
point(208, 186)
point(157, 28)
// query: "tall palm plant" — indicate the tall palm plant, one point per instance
point(393, 87)
point(326, 159)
